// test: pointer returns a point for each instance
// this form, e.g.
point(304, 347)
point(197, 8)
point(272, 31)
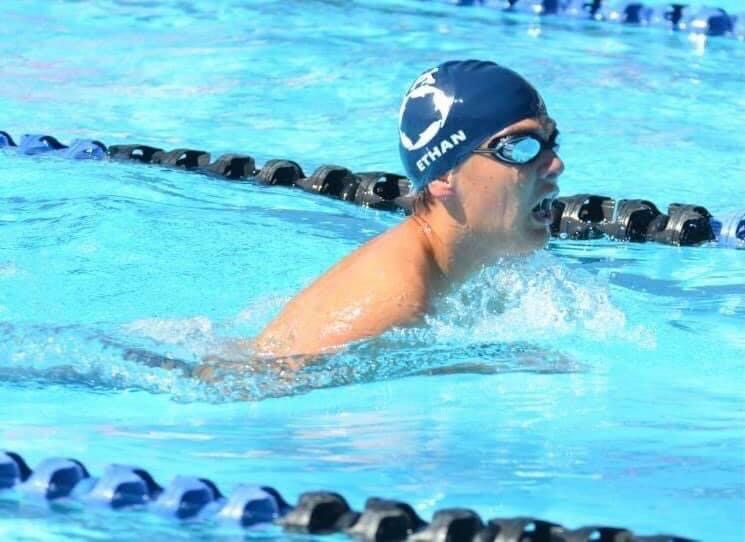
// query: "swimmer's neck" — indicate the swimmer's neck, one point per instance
point(455, 251)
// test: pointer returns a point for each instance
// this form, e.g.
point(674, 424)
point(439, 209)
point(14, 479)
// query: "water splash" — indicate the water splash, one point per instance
point(537, 300)
point(510, 317)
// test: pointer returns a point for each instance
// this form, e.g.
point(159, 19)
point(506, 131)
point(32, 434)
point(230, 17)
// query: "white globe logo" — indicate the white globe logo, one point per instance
point(441, 102)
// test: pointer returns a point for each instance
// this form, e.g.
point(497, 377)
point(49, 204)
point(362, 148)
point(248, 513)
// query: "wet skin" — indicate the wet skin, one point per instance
point(482, 210)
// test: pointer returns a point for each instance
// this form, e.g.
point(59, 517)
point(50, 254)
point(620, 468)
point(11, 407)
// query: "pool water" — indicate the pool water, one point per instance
point(593, 383)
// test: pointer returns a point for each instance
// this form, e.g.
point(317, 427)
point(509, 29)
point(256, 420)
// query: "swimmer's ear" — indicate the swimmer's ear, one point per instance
point(442, 187)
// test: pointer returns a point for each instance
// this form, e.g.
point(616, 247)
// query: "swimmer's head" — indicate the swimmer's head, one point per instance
point(452, 109)
point(481, 150)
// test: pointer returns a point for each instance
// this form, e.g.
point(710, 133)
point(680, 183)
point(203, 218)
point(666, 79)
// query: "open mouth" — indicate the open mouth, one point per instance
point(542, 211)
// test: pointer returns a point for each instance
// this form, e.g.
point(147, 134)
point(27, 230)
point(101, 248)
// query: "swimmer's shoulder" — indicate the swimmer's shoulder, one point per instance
point(394, 264)
point(385, 283)
point(389, 272)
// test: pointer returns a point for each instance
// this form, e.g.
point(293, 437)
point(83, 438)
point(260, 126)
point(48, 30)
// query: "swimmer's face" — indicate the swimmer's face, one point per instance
point(499, 200)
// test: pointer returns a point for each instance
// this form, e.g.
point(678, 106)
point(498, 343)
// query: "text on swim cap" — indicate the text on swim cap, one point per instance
point(433, 153)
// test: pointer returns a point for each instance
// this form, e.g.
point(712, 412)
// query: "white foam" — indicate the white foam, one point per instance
point(533, 299)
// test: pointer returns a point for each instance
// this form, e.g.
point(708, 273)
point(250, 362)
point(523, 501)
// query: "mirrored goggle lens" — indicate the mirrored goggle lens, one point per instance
point(520, 149)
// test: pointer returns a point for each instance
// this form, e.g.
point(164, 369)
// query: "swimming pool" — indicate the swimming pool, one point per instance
point(598, 382)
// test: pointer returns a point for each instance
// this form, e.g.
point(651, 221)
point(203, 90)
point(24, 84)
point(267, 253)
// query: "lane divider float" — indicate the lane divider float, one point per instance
point(578, 217)
point(676, 17)
point(67, 481)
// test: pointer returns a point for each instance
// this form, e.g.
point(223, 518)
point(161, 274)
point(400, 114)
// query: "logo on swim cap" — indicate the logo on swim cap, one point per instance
point(423, 101)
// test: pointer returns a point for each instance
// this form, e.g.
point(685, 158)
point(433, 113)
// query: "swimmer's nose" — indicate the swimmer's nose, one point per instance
point(551, 168)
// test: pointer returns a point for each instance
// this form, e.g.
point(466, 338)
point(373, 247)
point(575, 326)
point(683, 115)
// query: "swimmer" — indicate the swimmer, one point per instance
point(481, 151)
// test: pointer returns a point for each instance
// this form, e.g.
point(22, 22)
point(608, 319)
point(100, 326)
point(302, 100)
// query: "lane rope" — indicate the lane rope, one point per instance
point(676, 17)
point(65, 481)
point(577, 217)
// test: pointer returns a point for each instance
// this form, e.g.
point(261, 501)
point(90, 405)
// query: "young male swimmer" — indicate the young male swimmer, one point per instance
point(480, 148)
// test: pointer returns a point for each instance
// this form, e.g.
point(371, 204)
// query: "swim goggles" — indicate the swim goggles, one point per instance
point(520, 148)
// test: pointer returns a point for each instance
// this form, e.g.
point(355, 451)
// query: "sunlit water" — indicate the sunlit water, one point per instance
point(596, 382)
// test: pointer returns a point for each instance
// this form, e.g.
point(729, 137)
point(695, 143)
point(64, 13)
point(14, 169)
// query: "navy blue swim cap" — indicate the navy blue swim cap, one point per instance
point(450, 110)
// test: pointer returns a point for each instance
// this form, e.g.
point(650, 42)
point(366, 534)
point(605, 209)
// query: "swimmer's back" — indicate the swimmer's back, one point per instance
point(380, 285)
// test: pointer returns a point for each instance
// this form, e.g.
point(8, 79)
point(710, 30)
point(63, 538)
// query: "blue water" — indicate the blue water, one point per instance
point(596, 382)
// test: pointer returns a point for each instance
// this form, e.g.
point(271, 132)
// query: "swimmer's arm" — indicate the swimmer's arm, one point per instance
point(285, 356)
point(302, 334)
